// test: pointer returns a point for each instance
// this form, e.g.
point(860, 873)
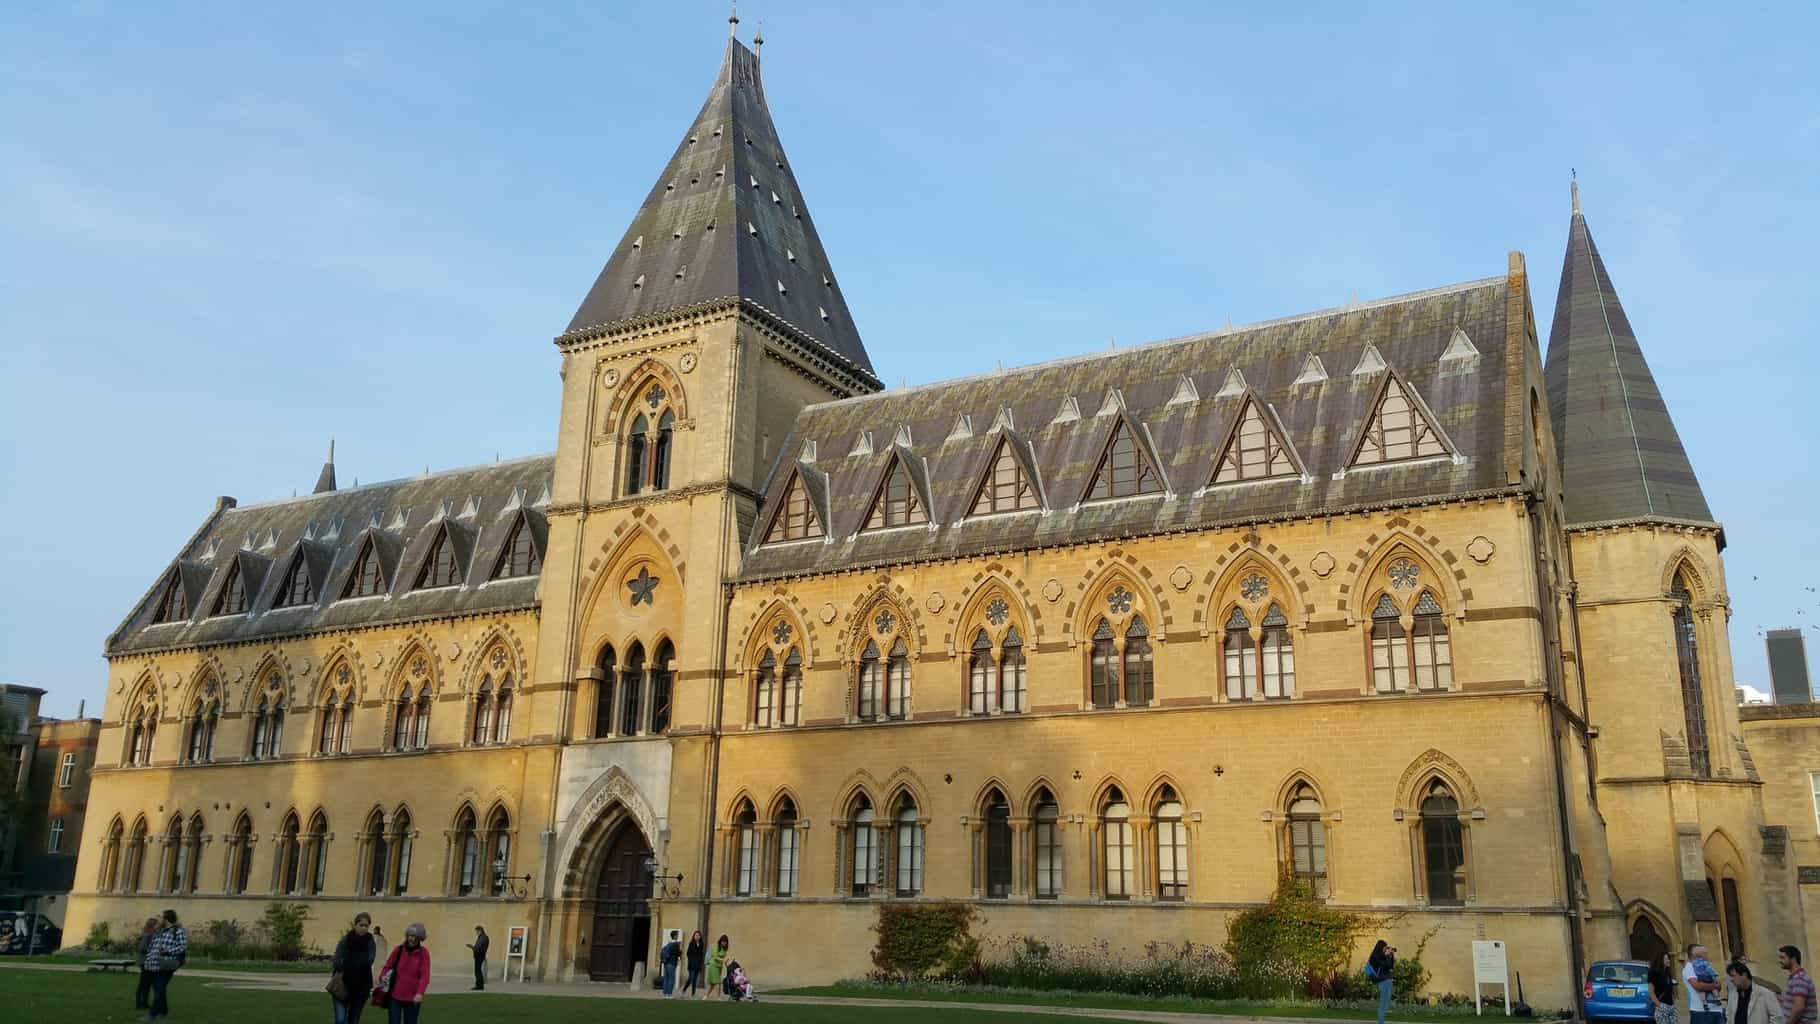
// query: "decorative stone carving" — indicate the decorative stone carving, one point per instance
point(452, 650)
point(609, 379)
point(1254, 587)
point(378, 659)
point(1052, 590)
point(828, 613)
point(1322, 564)
point(1403, 574)
point(1180, 578)
point(1480, 549)
point(687, 363)
point(998, 611)
point(935, 602)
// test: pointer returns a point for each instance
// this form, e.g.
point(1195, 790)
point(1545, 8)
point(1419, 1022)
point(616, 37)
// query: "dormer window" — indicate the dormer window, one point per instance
point(439, 568)
point(174, 606)
point(896, 502)
point(519, 557)
point(1398, 429)
point(1125, 470)
point(1005, 488)
point(795, 518)
point(1255, 451)
point(233, 594)
point(367, 579)
point(297, 588)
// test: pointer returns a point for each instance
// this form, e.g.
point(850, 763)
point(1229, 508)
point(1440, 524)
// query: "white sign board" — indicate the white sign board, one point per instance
point(517, 938)
point(1490, 967)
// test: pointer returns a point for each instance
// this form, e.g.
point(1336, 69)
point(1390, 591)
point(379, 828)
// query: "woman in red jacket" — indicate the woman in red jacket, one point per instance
point(408, 970)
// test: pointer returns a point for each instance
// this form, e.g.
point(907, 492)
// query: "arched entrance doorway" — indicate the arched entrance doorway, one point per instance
point(622, 906)
point(1646, 943)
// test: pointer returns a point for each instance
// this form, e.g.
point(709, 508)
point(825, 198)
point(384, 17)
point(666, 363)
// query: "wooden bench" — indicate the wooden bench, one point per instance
point(108, 965)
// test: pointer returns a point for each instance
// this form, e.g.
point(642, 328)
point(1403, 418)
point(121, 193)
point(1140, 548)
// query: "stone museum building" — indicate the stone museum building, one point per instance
point(1385, 597)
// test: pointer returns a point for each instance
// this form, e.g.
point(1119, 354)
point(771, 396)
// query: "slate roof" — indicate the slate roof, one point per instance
point(1182, 426)
point(726, 221)
point(1621, 458)
point(479, 507)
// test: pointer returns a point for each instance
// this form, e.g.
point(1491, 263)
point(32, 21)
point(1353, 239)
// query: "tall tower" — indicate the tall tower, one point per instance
point(716, 318)
point(1675, 782)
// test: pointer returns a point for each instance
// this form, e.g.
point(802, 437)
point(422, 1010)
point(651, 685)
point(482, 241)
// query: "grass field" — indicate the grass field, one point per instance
point(56, 997)
point(196, 963)
point(1173, 1004)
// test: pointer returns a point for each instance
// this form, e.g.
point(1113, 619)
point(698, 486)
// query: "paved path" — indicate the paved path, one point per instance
point(283, 982)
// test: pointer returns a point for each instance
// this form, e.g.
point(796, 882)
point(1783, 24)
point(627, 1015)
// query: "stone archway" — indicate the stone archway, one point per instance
point(621, 905)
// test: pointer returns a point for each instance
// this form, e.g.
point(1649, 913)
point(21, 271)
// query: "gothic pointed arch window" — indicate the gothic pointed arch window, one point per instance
point(1013, 691)
point(403, 838)
point(864, 868)
point(790, 701)
point(268, 721)
point(660, 455)
point(1693, 693)
point(1398, 429)
point(663, 686)
point(1005, 487)
point(764, 694)
point(1118, 860)
point(1104, 666)
point(499, 851)
point(108, 879)
point(1119, 659)
point(745, 850)
point(1443, 846)
point(142, 730)
point(789, 849)
point(483, 714)
point(1125, 469)
point(316, 854)
point(191, 872)
point(1171, 845)
point(240, 850)
point(1411, 648)
point(336, 717)
point(467, 852)
point(998, 846)
point(133, 877)
point(289, 865)
point(870, 673)
point(1137, 667)
point(205, 717)
point(411, 717)
point(378, 848)
point(907, 834)
point(1046, 846)
point(607, 675)
point(649, 440)
point(995, 663)
point(176, 857)
point(883, 683)
point(776, 683)
point(982, 671)
point(631, 689)
point(1305, 839)
point(637, 443)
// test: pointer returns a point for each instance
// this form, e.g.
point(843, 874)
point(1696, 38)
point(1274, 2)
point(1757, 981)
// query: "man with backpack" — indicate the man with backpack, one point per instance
point(169, 951)
point(669, 957)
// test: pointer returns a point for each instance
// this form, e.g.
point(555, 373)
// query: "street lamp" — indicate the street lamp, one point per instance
point(515, 887)
point(670, 886)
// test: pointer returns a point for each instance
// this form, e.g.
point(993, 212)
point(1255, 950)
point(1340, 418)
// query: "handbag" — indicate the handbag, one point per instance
point(382, 992)
point(337, 987)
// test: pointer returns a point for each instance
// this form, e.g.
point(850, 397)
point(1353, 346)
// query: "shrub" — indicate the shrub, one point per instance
point(1165, 969)
point(284, 922)
point(916, 941)
point(97, 935)
point(1295, 945)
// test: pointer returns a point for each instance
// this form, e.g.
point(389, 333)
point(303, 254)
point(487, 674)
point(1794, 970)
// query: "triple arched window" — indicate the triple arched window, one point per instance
point(635, 696)
point(648, 443)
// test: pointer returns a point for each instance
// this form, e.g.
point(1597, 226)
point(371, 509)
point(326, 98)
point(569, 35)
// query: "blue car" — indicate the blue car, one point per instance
point(1618, 990)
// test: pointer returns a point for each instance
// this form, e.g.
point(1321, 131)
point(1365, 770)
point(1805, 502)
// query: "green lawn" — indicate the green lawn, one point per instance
point(1173, 1004)
point(195, 963)
point(56, 997)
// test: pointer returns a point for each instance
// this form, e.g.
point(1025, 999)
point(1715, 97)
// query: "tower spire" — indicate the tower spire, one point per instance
point(733, 23)
point(1620, 456)
point(325, 481)
point(726, 223)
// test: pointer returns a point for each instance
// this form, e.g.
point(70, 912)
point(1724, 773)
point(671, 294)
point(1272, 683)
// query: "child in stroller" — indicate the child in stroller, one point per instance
point(737, 986)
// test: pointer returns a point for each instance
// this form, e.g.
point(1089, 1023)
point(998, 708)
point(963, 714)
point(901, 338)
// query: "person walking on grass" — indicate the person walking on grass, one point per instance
point(1662, 989)
point(407, 976)
point(694, 957)
point(1749, 1005)
point(717, 967)
point(1798, 995)
point(142, 995)
point(1379, 969)
point(479, 946)
point(353, 968)
point(169, 951)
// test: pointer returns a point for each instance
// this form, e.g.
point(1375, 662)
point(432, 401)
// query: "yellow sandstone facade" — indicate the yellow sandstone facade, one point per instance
point(1104, 646)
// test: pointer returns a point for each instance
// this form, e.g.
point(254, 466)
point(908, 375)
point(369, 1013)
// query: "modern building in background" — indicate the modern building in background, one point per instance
point(1788, 679)
point(49, 761)
point(1105, 646)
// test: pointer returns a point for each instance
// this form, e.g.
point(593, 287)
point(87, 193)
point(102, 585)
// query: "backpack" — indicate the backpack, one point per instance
point(1370, 975)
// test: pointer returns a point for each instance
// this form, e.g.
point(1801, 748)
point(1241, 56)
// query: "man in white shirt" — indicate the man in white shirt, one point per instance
point(1705, 1004)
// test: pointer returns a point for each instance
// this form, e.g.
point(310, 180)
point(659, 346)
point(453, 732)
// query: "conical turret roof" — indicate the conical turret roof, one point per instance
point(726, 220)
point(1619, 453)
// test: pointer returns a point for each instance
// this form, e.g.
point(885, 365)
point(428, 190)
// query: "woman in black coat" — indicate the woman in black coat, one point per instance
point(354, 956)
point(693, 958)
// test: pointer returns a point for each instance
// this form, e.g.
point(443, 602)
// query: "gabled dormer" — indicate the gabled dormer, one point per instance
point(795, 517)
point(1399, 429)
point(296, 588)
point(522, 553)
point(232, 598)
point(1255, 447)
point(441, 567)
point(1127, 468)
point(367, 578)
point(1007, 483)
point(898, 499)
point(173, 604)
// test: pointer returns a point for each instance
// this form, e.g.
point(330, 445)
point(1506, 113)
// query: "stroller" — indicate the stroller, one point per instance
point(736, 985)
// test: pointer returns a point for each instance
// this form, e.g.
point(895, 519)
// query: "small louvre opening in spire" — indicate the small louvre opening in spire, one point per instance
point(896, 503)
point(1397, 430)
point(1254, 451)
point(795, 518)
point(1125, 470)
point(638, 282)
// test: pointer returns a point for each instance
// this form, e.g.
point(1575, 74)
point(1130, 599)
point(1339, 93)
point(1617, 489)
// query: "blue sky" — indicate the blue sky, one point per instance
point(229, 232)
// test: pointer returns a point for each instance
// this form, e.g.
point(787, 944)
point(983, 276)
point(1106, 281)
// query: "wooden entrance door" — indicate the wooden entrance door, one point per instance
point(622, 909)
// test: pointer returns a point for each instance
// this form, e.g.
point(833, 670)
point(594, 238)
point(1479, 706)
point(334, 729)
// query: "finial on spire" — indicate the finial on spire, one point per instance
point(1573, 188)
point(733, 21)
point(325, 481)
point(758, 41)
